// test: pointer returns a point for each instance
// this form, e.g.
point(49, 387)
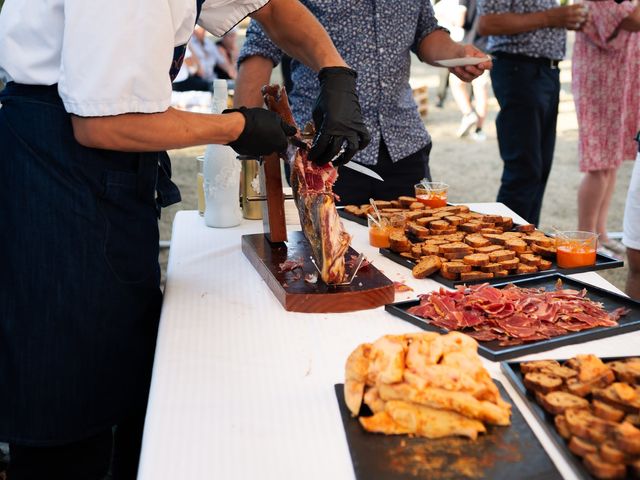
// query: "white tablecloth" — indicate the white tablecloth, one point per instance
point(243, 389)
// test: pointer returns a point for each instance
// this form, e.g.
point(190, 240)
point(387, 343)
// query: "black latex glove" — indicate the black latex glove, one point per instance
point(337, 117)
point(264, 132)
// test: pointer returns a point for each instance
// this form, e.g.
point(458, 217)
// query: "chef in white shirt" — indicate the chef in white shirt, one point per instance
point(84, 124)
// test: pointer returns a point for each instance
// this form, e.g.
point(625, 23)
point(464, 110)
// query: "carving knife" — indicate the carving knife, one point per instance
point(297, 142)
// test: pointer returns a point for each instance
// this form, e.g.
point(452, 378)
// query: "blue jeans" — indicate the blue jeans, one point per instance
point(528, 95)
point(79, 281)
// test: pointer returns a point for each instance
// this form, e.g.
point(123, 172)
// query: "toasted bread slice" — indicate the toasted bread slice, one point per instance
point(529, 227)
point(475, 275)
point(606, 411)
point(454, 256)
point(449, 275)
point(383, 203)
point(493, 268)
point(542, 382)
point(414, 215)
point(522, 268)
point(491, 230)
point(469, 227)
point(488, 248)
point(405, 201)
point(561, 425)
point(620, 395)
point(633, 419)
point(417, 230)
point(510, 264)
point(627, 370)
point(603, 470)
point(500, 273)
point(495, 238)
point(416, 251)
point(501, 255)
point(547, 252)
point(354, 210)
point(529, 259)
point(456, 267)
point(427, 266)
point(439, 225)
point(516, 245)
point(557, 402)
point(456, 247)
point(454, 220)
point(476, 259)
point(430, 249)
point(537, 365)
point(545, 265)
point(398, 242)
point(626, 437)
point(476, 240)
point(581, 447)
point(611, 454)
point(416, 206)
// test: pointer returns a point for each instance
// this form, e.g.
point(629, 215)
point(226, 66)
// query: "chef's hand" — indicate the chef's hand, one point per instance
point(471, 72)
point(264, 132)
point(571, 17)
point(338, 118)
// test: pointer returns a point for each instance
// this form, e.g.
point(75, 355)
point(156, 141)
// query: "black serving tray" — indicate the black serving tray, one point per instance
point(515, 377)
point(493, 351)
point(503, 453)
point(602, 262)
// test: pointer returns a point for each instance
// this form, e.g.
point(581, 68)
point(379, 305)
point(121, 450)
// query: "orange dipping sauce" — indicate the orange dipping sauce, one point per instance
point(379, 236)
point(572, 256)
point(433, 200)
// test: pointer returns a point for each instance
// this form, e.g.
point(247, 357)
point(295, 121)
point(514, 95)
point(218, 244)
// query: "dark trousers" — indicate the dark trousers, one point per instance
point(528, 94)
point(87, 459)
point(354, 188)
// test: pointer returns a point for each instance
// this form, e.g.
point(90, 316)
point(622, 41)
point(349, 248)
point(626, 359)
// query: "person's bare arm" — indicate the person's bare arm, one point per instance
point(150, 132)
point(254, 72)
point(438, 45)
point(296, 31)
point(570, 17)
point(632, 22)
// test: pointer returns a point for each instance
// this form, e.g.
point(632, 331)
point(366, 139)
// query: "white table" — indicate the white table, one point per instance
point(243, 389)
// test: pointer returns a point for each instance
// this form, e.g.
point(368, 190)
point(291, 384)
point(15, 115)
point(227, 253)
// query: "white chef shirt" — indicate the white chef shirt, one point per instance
point(108, 57)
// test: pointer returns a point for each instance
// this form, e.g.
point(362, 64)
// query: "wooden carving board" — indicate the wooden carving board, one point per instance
point(370, 288)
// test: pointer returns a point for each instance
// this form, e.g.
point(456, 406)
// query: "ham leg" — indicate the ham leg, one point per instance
point(312, 187)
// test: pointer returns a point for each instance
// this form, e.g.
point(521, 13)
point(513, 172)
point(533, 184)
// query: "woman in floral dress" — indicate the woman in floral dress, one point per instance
point(606, 91)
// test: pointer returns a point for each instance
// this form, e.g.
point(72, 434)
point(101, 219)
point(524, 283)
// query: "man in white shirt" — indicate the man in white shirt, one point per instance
point(84, 124)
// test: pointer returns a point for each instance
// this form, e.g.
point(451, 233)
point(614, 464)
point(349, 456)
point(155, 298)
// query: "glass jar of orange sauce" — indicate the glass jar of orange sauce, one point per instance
point(432, 194)
point(576, 249)
point(379, 232)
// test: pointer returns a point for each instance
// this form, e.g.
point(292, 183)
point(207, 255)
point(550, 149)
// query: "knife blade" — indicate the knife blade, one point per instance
point(363, 170)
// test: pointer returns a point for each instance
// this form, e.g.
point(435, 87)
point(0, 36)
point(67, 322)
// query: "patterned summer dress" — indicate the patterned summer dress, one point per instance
point(606, 87)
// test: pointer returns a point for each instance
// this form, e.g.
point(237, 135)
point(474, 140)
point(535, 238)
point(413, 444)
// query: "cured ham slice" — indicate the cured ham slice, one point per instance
point(312, 187)
point(514, 315)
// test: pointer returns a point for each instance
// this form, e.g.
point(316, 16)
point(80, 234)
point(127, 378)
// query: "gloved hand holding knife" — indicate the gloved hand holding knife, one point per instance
point(338, 118)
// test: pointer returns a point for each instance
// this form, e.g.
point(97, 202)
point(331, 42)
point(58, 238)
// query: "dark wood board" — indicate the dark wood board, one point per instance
point(515, 377)
point(503, 453)
point(493, 351)
point(603, 262)
point(370, 289)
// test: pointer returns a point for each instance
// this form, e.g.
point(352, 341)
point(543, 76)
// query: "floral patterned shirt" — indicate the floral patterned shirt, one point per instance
point(375, 37)
point(544, 42)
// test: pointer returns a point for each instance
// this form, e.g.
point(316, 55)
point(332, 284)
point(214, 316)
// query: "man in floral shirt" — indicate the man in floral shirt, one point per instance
point(375, 38)
point(527, 39)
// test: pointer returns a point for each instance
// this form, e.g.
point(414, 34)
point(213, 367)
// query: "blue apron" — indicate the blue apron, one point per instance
point(79, 277)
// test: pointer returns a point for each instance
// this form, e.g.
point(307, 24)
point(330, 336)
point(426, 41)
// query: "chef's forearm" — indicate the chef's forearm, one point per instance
point(151, 132)
point(438, 46)
point(253, 73)
point(296, 31)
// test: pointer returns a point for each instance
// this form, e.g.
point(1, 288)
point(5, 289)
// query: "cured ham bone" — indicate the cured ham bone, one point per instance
point(312, 187)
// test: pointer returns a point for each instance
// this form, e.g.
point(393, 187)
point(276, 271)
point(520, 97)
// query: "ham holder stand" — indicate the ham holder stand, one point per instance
point(295, 288)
